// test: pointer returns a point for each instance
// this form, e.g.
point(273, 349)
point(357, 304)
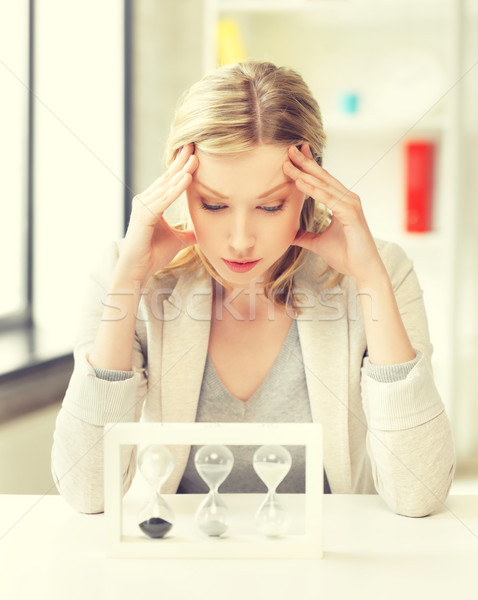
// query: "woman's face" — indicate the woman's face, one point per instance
point(245, 211)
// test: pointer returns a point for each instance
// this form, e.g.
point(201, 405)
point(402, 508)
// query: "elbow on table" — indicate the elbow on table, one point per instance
point(418, 509)
point(85, 505)
point(86, 494)
point(82, 486)
point(86, 502)
point(83, 498)
point(422, 502)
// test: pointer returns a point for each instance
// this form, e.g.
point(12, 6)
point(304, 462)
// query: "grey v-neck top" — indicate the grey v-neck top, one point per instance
point(281, 398)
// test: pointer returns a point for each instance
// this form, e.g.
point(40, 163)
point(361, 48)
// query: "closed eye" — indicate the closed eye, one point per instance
point(207, 206)
point(217, 207)
point(272, 209)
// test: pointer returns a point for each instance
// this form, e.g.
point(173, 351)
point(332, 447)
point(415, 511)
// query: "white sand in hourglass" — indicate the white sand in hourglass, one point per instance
point(213, 463)
point(272, 463)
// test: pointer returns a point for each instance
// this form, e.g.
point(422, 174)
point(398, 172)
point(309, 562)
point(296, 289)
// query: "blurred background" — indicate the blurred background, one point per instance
point(88, 91)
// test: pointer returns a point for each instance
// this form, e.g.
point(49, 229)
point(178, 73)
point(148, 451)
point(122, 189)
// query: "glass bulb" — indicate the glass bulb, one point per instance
point(272, 463)
point(156, 463)
point(213, 463)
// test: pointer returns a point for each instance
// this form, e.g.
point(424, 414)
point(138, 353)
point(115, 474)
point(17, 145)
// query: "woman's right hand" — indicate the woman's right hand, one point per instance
point(150, 243)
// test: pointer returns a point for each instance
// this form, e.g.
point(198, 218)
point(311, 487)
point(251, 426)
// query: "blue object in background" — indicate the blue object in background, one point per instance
point(348, 102)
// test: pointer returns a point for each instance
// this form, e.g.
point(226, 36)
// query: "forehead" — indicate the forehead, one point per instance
point(251, 172)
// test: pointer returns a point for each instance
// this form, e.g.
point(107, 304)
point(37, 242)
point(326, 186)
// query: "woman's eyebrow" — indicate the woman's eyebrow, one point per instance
point(264, 195)
point(217, 194)
point(274, 189)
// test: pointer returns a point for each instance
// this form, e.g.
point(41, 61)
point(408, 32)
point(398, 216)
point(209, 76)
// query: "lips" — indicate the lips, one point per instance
point(241, 266)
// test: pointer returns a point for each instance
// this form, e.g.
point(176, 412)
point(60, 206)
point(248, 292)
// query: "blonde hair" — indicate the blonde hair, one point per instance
point(237, 107)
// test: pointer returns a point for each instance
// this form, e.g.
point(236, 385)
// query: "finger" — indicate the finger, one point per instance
point(188, 237)
point(306, 151)
point(179, 162)
point(346, 210)
point(157, 192)
point(297, 174)
point(305, 161)
point(305, 239)
point(171, 194)
point(318, 189)
point(153, 210)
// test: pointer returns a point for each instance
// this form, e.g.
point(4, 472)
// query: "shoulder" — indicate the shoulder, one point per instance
point(398, 264)
point(392, 254)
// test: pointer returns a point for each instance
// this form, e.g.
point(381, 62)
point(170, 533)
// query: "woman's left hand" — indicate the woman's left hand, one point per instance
point(347, 245)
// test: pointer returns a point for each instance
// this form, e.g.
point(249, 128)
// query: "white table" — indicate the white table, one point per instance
point(48, 551)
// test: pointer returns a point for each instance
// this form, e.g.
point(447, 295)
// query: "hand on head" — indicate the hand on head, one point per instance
point(150, 243)
point(347, 244)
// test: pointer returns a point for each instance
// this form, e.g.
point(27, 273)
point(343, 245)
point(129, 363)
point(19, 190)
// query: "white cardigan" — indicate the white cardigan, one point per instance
point(393, 438)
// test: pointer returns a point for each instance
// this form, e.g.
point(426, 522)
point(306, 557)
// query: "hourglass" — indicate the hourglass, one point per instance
point(213, 463)
point(156, 463)
point(272, 463)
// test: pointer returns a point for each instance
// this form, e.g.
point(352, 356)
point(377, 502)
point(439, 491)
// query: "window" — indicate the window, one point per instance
point(15, 160)
point(64, 186)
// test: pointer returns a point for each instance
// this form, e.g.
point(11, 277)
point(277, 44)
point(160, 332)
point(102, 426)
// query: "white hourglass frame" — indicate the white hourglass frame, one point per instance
point(307, 545)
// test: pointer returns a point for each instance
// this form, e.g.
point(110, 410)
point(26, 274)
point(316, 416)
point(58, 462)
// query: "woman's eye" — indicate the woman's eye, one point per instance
point(207, 206)
point(273, 209)
point(216, 207)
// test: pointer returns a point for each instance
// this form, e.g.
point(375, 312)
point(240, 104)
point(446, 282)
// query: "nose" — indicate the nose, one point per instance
point(241, 235)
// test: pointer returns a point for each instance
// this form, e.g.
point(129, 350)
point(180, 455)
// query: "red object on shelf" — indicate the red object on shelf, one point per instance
point(419, 185)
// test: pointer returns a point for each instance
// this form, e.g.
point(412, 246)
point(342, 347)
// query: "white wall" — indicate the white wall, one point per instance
point(466, 414)
point(168, 59)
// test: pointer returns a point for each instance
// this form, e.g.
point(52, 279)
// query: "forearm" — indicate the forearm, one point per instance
point(77, 463)
point(413, 468)
point(387, 339)
point(113, 345)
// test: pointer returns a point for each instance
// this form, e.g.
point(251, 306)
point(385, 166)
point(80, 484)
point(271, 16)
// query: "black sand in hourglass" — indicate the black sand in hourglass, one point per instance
point(155, 527)
point(156, 463)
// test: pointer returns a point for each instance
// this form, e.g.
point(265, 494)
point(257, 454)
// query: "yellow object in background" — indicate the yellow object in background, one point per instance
point(230, 46)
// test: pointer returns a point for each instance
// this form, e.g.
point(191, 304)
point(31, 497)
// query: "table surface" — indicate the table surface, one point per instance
point(47, 550)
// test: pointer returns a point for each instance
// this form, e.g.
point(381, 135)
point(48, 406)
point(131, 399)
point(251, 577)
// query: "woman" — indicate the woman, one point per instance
point(274, 304)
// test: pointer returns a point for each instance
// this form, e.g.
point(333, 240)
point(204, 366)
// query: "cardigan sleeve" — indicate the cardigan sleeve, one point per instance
point(409, 438)
point(390, 373)
point(92, 401)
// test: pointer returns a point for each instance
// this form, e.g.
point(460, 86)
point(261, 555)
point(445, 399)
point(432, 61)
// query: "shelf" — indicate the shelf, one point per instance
point(360, 125)
point(430, 241)
point(352, 10)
